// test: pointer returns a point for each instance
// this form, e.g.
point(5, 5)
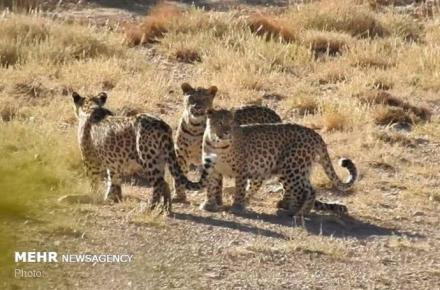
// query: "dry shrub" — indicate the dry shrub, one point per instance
point(24, 29)
point(332, 73)
point(382, 83)
point(271, 28)
point(30, 89)
point(153, 27)
point(8, 53)
point(8, 111)
point(21, 5)
point(31, 38)
point(332, 120)
point(403, 26)
point(345, 16)
point(303, 105)
point(395, 138)
point(380, 97)
point(187, 55)
point(329, 43)
point(17, 33)
point(375, 4)
point(368, 60)
point(387, 116)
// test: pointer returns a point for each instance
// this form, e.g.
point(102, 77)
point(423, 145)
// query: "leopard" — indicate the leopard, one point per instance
point(286, 151)
point(192, 124)
point(113, 147)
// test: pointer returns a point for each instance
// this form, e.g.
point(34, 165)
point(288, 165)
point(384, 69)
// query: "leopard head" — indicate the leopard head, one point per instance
point(220, 124)
point(90, 107)
point(198, 100)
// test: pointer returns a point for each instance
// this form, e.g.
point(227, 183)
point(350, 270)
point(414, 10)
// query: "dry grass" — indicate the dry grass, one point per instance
point(327, 43)
point(387, 116)
point(187, 55)
point(333, 120)
point(28, 38)
point(303, 105)
point(343, 16)
point(21, 5)
point(154, 25)
point(43, 60)
point(385, 98)
point(395, 138)
point(332, 73)
point(271, 28)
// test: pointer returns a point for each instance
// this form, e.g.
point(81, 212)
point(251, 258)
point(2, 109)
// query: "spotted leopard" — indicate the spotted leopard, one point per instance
point(116, 146)
point(189, 136)
point(261, 151)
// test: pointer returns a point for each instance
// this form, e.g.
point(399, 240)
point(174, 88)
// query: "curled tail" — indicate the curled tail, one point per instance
point(326, 163)
point(180, 178)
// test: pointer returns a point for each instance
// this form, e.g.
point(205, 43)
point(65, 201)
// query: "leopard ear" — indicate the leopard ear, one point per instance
point(102, 97)
point(186, 88)
point(213, 90)
point(77, 99)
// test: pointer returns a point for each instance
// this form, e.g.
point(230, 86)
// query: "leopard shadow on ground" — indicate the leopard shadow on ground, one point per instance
point(316, 224)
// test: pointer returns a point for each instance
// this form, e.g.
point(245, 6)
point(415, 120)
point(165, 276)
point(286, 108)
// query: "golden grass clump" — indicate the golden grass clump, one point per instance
point(380, 97)
point(382, 82)
point(154, 25)
point(32, 38)
point(333, 121)
point(343, 16)
point(37, 162)
point(187, 55)
point(327, 43)
point(411, 113)
point(403, 26)
point(21, 5)
point(386, 116)
point(332, 72)
point(271, 28)
point(395, 138)
point(303, 105)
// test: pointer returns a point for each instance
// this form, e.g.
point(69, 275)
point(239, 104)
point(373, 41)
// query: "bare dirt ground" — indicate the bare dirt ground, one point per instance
point(387, 242)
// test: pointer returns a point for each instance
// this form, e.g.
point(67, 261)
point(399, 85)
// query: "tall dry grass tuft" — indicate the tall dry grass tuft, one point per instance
point(33, 38)
point(154, 25)
point(387, 116)
point(343, 16)
point(21, 5)
point(333, 121)
point(187, 55)
point(327, 43)
point(412, 113)
point(271, 28)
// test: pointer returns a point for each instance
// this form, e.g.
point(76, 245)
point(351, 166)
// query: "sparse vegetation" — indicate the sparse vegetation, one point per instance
point(350, 69)
point(154, 25)
point(271, 28)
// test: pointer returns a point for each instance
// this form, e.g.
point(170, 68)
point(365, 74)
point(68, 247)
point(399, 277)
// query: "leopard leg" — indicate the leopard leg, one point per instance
point(179, 189)
point(295, 197)
point(214, 189)
point(254, 186)
point(96, 176)
point(310, 201)
point(337, 209)
point(161, 190)
point(114, 192)
point(239, 203)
